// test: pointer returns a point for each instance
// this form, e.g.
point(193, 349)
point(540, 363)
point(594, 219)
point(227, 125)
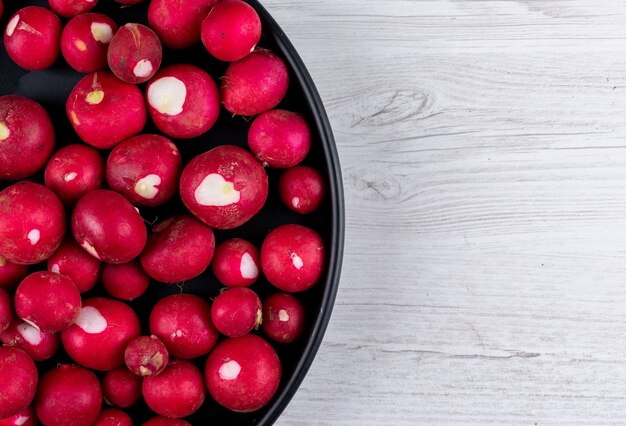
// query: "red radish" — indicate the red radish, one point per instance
point(224, 187)
point(126, 281)
point(165, 421)
point(145, 169)
point(231, 30)
point(279, 138)
point(85, 41)
point(107, 225)
point(113, 417)
point(134, 53)
point(236, 312)
point(73, 171)
point(6, 310)
point(18, 381)
point(1, 8)
point(32, 38)
point(36, 343)
point(292, 257)
point(183, 323)
point(179, 248)
point(254, 84)
point(26, 137)
point(72, 261)
point(302, 189)
point(236, 263)
point(146, 356)
point(243, 373)
point(183, 101)
point(68, 395)
point(177, 392)
point(102, 330)
point(104, 110)
point(11, 274)
point(284, 317)
point(25, 417)
point(121, 387)
point(178, 23)
point(69, 8)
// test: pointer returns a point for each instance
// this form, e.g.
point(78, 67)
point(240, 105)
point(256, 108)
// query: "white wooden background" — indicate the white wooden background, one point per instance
point(483, 146)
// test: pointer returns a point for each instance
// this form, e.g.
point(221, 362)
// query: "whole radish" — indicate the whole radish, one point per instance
point(166, 421)
point(177, 392)
point(284, 317)
point(236, 263)
point(126, 281)
point(32, 38)
point(134, 53)
point(178, 23)
point(6, 310)
point(302, 189)
point(11, 274)
point(113, 417)
point(121, 388)
point(74, 262)
point(236, 311)
point(85, 41)
point(146, 356)
point(69, 8)
point(25, 417)
point(40, 345)
point(18, 381)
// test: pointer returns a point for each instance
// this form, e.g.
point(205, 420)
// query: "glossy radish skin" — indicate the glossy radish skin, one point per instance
point(236, 311)
point(126, 281)
point(6, 310)
point(146, 356)
point(243, 373)
point(177, 392)
point(284, 317)
point(32, 38)
point(102, 330)
point(231, 30)
point(292, 257)
point(134, 53)
point(25, 417)
point(68, 395)
point(85, 41)
point(105, 110)
point(26, 137)
point(69, 8)
point(166, 421)
point(74, 262)
point(183, 101)
point(108, 227)
point(121, 388)
point(178, 23)
point(18, 381)
point(224, 187)
point(145, 169)
point(11, 274)
point(38, 344)
point(236, 263)
point(178, 249)
point(302, 189)
point(113, 417)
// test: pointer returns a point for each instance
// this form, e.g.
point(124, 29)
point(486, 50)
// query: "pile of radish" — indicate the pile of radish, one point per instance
point(80, 241)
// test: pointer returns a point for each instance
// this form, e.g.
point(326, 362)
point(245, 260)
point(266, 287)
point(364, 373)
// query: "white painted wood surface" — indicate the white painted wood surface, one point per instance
point(483, 146)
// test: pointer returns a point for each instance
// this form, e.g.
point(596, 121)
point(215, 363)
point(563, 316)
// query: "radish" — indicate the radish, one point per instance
point(292, 257)
point(236, 263)
point(183, 101)
point(32, 38)
point(38, 344)
point(126, 281)
point(121, 387)
point(236, 312)
point(284, 317)
point(179, 248)
point(108, 227)
point(145, 169)
point(231, 30)
point(243, 373)
point(69, 8)
point(178, 23)
point(68, 395)
point(254, 84)
point(6, 310)
point(18, 381)
point(26, 137)
point(11, 274)
point(134, 53)
point(146, 356)
point(73, 171)
point(25, 417)
point(302, 189)
point(183, 323)
point(224, 187)
point(104, 110)
point(85, 41)
point(279, 138)
point(165, 421)
point(177, 392)
point(102, 330)
point(72, 261)
point(113, 417)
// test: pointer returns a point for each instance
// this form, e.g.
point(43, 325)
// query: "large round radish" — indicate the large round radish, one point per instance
point(26, 137)
point(243, 373)
point(18, 381)
point(145, 169)
point(104, 110)
point(38, 344)
point(178, 23)
point(121, 387)
point(166, 421)
point(146, 356)
point(177, 392)
point(11, 274)
point(25, 417)
point(236, 263)
point(72, 261)
point(32, 223)
point(284, 317)
point(107, 225)
point(126, 281)
point(224, 187)
point(236, 312)
point(85, 41)
point(135, 53)
point(69, 8)
point(6, 310)
point(113, 417)
point(302, 189)
point(183, 101)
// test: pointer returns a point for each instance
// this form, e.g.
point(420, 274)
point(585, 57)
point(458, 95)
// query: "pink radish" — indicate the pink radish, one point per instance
point(165, 421)
point(6, 310)
point(176, 23)
point(134, 53)
point(236, 263)
point(85, 41)
point(11, 274)
point(72, 261)
point(121, 387)
point(126, 281)
point(236, 311)
point(302, 189)
point(284, 317)
point(146, 356)
point(69, 8)
point(18, 381)
point(113, 417)
point(177, 392)
point(38, 344)
point(25, 417)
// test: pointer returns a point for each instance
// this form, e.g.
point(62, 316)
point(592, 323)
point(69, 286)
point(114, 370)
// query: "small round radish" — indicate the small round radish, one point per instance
point(73, 171)
point(177, 392)
point(18, 381)
point(243, 373)
point(236, 263)
point(6, 310)
point(68, 395)
point(183, 101)
point(283, 317)
point(85, 41)
point(302, 189)
point(104, 110)
point(72, 261)
point(126, 281)
point(236, 312)
point(166, 421)
point(11, 274)
point(292, 257)
point(179, 249)
point(279, 138)
point(25, 417)
point(183, 323)
point(146, 356)
point(32, 38)
point(26, 137)
point(178, 23)
point(69, 8)
point(102, 330)
point(231, 30)
point(224, 187)
point(145, 169)
point(254, 84)
point(113, 417)
point(36, 343)
point(134, 53)
point(108, 227)
point(121, 387)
